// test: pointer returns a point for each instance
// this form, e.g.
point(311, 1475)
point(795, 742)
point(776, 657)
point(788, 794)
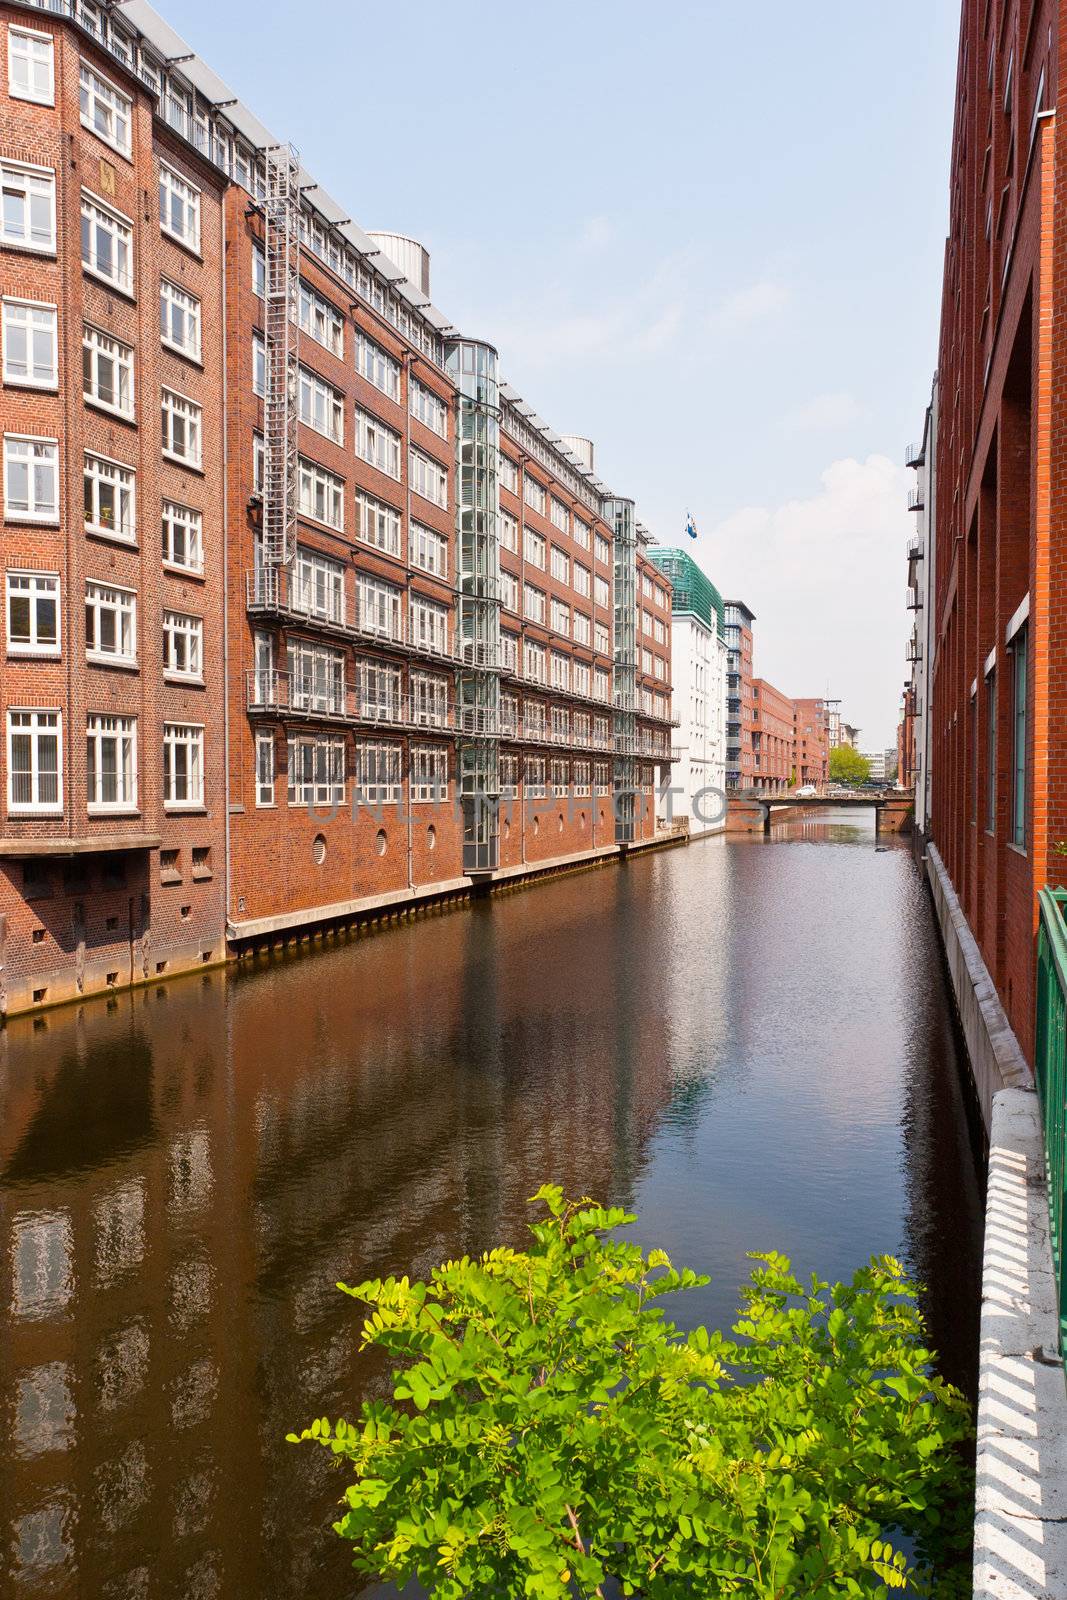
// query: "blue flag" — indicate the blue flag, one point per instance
point(690, 525)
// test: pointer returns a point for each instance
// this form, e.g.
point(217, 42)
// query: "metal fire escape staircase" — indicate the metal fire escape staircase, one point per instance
point(281, 248)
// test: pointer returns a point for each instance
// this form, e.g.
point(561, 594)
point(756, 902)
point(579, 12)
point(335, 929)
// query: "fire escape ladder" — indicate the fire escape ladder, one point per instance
point(281, 247)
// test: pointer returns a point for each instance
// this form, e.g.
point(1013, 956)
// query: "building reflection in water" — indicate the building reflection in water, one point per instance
point(186, 1173)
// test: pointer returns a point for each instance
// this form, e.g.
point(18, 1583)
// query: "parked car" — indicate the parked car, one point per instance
point(806, 791)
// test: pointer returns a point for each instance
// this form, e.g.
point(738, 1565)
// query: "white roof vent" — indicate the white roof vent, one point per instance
point(409, 255)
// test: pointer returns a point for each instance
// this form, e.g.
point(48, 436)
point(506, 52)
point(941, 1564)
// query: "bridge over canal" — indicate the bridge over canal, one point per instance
point(755, 812)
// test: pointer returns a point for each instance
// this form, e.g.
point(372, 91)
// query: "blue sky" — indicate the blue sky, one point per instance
point(707, 236)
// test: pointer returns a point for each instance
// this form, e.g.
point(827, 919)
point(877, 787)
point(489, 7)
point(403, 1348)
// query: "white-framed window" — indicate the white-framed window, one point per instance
point(31, 344)
point(560, 565)
point(319, 585)
point(581, 771)
point(376, 444)
point(534, 662)
point(509, 651)
point(582, 628)
point(179, 207)
point(31, 70)
point(105, 110)
point(378, 524)
point(183, 764)
point(259, 270)
point(509, 532)
point(265, 769)
point(33, 627)
point(534, 494)
point(429, 550)
point(110, 624)
point(647, 620)
point(509, 591)
point(602, 549)
point(379, 771)
point(535, 549)
point(646, 660)
point(561, 724)
point(429, 625)
point(559, 515)
point(259, 365)
point(601, 731)
point(534, 718)
point(378, 690)
point(560, 769)
point(321, 494)
point(580, 673)
point(322, 407)
point(34, 761)
point(107, 371)
point(182, 428)
point(648, 588)
point(559, 670)
point(429, 772)
point(110, 498)
point(582, 579)
point(601, 684)
point(107, 243)
point(320, 320)
point(659, 630)
point(183, 537)
point(582, 534)
point(317, 677)
point(429, 409)
point(380, 607)
point(535, 776)
point(179, 319)
point(111, 763)
point(602, 777)
point(183, 645)
point(429, 700)
point(660, 667)
point(28, 207)
point(428, 478)
point(561, 617)
point(509, 776)
point(377, 366)
point(509, 715)
point(601, 638)
point(509, 473)
point(31, 479)
point(258, 459)
point(316, 771)
point(581, 726)
point(533, 603)
point(601, 590)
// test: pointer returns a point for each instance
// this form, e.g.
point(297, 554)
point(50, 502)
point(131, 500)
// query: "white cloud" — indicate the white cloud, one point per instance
point(595, 234)
point(825, 577)
point(754, 303)
point(825, 411)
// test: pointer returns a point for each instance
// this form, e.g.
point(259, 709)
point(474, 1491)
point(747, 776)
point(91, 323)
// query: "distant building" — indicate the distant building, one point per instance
point(698, 673)
point(740, 764)
point(811, 742)
point(772, 736)
point(875, 759)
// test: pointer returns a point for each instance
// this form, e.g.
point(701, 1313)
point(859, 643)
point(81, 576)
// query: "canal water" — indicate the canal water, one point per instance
point(747, 1041)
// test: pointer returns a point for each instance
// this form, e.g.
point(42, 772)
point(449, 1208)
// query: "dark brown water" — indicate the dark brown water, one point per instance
point(749, 1042)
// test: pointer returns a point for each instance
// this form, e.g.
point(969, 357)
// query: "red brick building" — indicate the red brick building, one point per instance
point(811, 742)
point(306, 612)
point(772, 736)
point(112, 839)
point(999, 804)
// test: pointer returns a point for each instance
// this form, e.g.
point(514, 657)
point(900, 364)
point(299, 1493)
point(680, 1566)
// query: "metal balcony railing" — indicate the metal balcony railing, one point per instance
point(1050, 1070)
point(916, 499)
point(916, 547)
point(914, 455)
point(914, 650)
point(276, 591)
point(914, 599)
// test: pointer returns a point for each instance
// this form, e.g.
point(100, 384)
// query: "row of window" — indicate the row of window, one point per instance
point(324, 323)
point(579, 777)
point(31, 483)
point(534, 546)
point(655, 626)
point(316, 770)
point(35, 763)
point(653, 592)
point(535, 604)
point(655, 666)
point(33, 625)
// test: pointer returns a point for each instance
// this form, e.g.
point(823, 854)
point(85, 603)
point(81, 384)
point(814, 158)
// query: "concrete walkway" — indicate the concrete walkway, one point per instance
point(1020, 1532)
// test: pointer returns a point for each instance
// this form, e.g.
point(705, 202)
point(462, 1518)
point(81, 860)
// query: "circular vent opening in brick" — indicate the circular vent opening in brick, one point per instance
point(381, 841)
point(318, 849)
point(431, 837)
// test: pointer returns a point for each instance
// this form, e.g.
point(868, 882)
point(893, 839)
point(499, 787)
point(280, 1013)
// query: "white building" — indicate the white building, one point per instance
point(698, 675)
point(876, 761)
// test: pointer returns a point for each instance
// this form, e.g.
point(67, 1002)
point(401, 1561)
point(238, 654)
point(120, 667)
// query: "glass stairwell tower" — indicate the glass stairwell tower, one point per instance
point(472, 367)
point(620, 515)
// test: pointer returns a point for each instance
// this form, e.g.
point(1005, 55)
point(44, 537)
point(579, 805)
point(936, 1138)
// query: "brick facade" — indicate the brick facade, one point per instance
point(234, 707)
point(772, 736)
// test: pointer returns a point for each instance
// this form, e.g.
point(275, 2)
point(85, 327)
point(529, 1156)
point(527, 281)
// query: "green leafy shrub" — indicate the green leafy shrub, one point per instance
point(551, 1429)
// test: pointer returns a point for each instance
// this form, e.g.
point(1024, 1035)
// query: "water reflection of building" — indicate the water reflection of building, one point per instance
point(168, 1268)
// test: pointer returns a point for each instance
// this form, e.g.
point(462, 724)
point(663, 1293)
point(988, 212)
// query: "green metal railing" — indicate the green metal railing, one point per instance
point(1051, 1064)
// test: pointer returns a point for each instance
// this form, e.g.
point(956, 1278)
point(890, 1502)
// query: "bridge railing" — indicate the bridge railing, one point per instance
point(1050, 1059)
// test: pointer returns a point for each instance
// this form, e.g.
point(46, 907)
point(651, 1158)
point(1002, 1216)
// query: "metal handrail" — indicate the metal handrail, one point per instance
point(1050, 1060)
